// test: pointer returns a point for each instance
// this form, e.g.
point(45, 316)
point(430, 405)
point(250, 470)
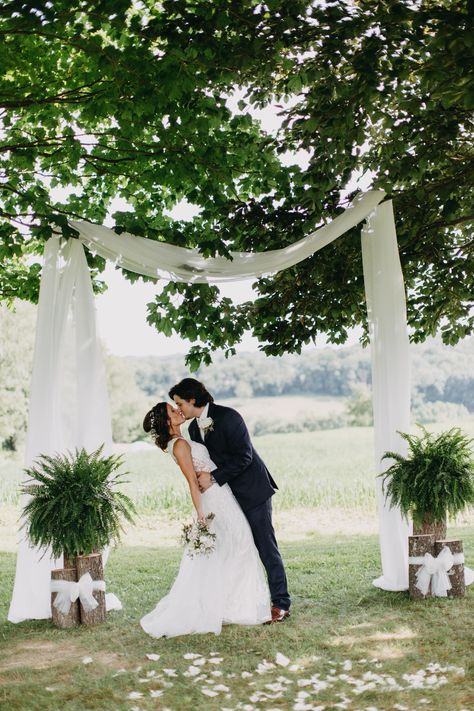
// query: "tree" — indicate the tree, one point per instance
point(16, 357)
point(131, 100)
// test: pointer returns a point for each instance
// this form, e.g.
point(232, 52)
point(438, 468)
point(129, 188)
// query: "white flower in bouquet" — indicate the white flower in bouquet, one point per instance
point(197, 538)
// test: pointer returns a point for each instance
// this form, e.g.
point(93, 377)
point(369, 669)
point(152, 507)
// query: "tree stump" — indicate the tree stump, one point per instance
point(73, 618)
point(429, 526)
point(92, 564)
point(69, 561)
point(456, 574)
point(417, 547)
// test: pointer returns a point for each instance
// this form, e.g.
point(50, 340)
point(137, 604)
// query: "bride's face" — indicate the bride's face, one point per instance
point(175, 417)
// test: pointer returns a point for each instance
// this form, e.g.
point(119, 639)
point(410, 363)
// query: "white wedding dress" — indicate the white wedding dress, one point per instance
point(228, 586)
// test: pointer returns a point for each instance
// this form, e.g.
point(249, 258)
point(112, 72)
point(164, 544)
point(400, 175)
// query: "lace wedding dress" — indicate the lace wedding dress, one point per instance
point(226, 587)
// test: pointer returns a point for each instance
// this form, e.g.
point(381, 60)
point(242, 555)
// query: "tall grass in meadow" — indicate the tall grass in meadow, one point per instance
point(330, 469)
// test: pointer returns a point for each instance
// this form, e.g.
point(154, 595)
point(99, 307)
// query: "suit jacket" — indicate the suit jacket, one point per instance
point(238, 464)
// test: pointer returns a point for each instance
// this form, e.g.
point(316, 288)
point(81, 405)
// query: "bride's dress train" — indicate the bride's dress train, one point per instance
point(226, 587)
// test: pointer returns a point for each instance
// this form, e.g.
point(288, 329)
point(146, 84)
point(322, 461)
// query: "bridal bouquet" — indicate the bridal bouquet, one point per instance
point(197, 537)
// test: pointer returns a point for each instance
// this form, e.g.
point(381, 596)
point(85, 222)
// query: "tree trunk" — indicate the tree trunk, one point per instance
point(92, 564)
point(73, 617)
point(456, 574)
point(429, 526)
point(417, 547)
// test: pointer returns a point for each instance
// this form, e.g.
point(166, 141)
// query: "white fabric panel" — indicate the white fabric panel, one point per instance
point(154, 259)
point(386, 306)
point(68, 400)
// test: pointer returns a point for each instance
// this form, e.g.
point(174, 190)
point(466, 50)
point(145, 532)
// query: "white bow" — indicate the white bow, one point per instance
point(68, 592)
point(435, 570)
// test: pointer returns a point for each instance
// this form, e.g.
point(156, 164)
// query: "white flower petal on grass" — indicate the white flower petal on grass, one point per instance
point(209, 692)
point(199, 662)
point(135, 708)
point(400, 707)
point(151, 673)
point(144, 681)
point(191, 655)
point(221, 687)
point(192, 671)
point(153, 657)
point(87, 660)
point(264, 667)
point(304, 682)
point(217, 672)
point(281, 660)
point(216, 660)
point(170, 672)
point(135, 695)
point(294, 667)
point(201, 677)
point(246, 675)
point(156, 693)
point(424, 701)
point(51, 688)
point(347, 665)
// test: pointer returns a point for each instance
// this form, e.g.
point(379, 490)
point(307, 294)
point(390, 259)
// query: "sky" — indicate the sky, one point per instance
point(121, 317)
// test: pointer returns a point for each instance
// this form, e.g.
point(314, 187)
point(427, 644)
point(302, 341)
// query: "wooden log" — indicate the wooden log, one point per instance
point(92, 564)
point(418, 546)
point(430, 526)
point(456, 574)
point(72, 619)
point(69, 561)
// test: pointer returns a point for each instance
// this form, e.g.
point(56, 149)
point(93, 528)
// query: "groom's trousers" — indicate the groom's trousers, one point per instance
point(260, 520)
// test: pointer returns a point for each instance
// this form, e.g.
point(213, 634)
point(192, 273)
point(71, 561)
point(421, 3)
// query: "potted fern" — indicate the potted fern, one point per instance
point(434, 480)
point(74, 507)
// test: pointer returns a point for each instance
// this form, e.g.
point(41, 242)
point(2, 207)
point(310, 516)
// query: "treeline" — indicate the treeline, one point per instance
point(439, 373)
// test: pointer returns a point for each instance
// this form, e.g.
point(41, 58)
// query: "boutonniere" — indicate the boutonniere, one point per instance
point(206, 424)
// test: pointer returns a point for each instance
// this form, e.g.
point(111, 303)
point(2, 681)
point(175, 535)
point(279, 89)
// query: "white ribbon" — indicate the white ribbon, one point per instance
point(68, 592)
point(435, 570)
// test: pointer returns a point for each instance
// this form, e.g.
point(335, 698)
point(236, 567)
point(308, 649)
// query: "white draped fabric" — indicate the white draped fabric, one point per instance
point(68, 400)
point(69, 405)
point(154, 259)
point(386, 308)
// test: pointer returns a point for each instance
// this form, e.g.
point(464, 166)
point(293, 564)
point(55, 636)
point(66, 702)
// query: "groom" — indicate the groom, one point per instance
point(226, 437)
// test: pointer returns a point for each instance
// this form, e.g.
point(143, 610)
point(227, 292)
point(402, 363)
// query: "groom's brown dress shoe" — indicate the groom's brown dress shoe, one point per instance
point(278, 615)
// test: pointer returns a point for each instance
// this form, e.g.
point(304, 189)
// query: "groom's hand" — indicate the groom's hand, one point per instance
point(204, 480)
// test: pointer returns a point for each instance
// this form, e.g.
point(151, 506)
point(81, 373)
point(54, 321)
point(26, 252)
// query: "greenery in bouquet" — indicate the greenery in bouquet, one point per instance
point(73, 503)
point(197, 538)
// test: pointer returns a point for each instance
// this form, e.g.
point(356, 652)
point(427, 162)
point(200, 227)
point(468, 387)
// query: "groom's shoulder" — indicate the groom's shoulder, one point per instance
point(224, 411)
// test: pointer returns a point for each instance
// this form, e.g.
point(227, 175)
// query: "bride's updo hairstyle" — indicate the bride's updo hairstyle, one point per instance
point(190, 388)
point(158, 424)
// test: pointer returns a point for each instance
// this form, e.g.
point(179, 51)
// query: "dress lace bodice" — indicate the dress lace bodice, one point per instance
point(202, 462)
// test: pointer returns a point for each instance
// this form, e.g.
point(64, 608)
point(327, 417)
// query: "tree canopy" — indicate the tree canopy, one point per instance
point(110, 99)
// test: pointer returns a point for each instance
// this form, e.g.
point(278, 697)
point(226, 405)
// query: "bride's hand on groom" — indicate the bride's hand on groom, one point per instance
point(204, 480)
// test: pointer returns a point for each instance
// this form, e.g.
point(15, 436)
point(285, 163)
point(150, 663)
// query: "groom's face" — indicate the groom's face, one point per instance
point(187, 407)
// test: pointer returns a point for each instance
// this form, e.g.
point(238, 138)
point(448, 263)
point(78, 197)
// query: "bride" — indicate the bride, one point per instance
point(228, 585)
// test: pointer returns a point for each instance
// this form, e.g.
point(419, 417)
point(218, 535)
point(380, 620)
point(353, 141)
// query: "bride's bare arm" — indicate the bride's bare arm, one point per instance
point(182, 452)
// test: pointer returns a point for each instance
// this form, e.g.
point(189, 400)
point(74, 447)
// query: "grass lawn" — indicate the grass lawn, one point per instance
point(350, 645)
point(346, 646)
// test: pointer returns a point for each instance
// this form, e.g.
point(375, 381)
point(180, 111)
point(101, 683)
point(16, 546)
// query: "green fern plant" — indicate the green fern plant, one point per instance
point(74, 505)
point(435, 479)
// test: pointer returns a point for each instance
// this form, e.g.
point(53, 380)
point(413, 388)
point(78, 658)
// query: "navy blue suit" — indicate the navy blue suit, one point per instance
point(240, 466)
